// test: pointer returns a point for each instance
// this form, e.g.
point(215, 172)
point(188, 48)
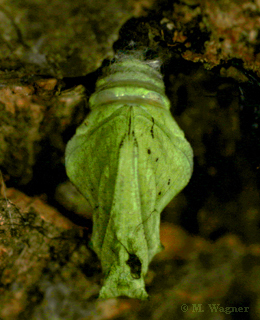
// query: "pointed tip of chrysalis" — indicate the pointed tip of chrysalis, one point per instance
point(108, 293)
point(120, 283)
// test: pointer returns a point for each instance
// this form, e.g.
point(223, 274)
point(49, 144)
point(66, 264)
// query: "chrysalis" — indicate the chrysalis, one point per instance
point(129, 158)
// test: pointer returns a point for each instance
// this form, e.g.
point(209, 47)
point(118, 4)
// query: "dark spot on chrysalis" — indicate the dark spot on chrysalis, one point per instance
point(152, 128)
point(169, 181)
point(135, 142)
point(129, 126)
point(159, 193)
point(156, 159)
point(148, 151)
point(121, 143)
point(96, 207)
point(135, 265)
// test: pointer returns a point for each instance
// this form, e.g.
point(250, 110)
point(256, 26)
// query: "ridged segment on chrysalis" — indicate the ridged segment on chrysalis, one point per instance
point(129, 158)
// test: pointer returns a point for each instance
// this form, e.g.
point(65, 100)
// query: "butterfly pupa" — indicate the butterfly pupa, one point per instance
point(129, 158)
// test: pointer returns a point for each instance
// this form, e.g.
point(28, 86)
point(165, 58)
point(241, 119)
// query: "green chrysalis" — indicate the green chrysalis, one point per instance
point(129, 158)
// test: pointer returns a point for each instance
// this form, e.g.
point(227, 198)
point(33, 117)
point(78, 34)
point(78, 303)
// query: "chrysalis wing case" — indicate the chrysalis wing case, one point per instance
point(129, 158)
